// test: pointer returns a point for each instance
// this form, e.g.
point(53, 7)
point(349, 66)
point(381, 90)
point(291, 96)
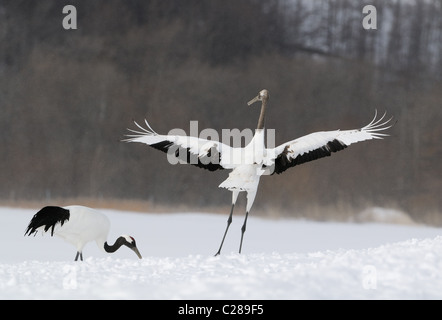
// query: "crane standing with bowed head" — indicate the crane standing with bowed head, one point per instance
point(78, 225)
point(248, 164)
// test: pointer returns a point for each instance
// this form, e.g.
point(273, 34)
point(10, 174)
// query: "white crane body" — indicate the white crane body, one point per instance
point(85, 225)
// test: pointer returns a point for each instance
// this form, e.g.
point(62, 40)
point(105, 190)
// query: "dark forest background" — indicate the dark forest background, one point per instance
point(67, 97)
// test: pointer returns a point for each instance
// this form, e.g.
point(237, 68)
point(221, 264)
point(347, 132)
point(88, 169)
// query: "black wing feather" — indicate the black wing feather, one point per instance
point(210, 162)
point(282, 162)
point(48, 217)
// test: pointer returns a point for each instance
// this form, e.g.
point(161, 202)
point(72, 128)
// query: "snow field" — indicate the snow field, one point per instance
point(282, 259)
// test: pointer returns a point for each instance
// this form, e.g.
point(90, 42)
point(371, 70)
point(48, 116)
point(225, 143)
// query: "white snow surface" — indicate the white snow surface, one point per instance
point(281, 259)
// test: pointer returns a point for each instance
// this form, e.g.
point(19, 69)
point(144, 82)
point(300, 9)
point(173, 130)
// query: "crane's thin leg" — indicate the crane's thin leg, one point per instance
point(229, 221)
point(79, 254)
point(243, 229)
point(250, 198)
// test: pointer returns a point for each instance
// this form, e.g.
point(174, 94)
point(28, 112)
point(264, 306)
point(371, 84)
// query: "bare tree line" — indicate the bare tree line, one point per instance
point(67, 97)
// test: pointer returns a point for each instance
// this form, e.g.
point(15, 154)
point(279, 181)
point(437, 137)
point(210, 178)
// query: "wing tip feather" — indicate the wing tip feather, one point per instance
point(136, 134)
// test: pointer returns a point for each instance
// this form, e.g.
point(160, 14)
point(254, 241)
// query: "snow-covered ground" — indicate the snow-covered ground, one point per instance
point(282, 259)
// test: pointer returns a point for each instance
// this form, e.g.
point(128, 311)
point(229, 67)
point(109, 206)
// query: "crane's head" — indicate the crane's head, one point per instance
point(263, 95)
point(129, 242)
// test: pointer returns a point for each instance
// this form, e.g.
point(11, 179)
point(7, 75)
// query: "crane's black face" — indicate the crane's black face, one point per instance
point(129, 242)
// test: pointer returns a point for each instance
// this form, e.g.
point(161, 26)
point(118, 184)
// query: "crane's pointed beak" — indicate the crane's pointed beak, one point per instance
point(253, 100)
point(135, 249)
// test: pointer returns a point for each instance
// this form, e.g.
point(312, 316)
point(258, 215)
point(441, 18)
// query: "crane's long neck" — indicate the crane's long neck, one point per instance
point(118, 243)
point(262, 116)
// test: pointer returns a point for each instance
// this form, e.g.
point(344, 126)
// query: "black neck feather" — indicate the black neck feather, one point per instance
point(118, 243)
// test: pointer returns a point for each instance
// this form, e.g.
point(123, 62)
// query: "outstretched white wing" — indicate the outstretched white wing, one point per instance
point(321, 144)
point(207, 154)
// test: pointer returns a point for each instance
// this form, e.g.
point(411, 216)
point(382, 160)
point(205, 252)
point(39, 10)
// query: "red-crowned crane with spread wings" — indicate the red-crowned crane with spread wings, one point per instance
point(248, 164)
